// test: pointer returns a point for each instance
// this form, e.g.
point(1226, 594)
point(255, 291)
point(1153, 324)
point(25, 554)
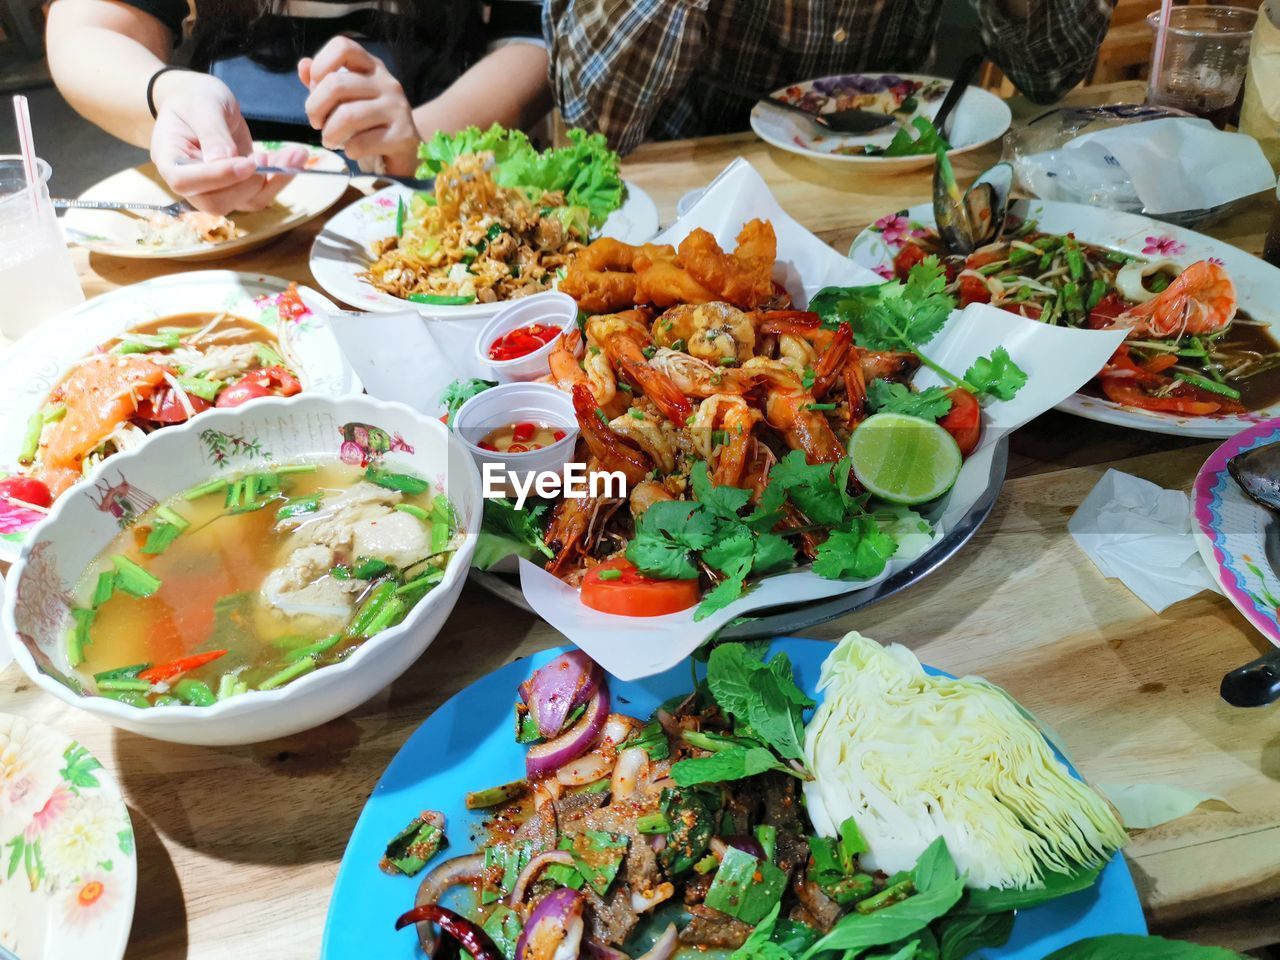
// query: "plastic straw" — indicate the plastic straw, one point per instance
point(26, 144)
point(1157, 52)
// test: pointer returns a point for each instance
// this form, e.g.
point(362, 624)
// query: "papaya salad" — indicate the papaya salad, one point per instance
point(156, 374)
point(753, 436)
point(503, 218)
point(1190, 350)
point(720, 820)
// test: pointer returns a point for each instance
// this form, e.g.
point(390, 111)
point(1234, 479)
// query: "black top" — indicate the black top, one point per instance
point(426, 44)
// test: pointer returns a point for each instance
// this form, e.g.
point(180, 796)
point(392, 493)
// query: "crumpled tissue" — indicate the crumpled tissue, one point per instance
point(1140, 534)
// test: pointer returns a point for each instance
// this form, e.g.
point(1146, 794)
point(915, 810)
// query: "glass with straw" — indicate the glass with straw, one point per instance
point(1198, 58)
point(37, 278)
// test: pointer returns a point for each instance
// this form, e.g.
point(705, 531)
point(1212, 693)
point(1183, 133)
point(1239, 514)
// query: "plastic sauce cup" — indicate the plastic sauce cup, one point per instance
point(552, 309)
point(511, 403)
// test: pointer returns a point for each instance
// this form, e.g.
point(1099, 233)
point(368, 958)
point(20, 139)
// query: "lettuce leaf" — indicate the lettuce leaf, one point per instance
point(586, 171)
point(506, 532)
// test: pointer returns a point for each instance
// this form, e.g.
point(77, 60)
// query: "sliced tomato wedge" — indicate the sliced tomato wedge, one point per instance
point(1139, 392)
point(964, 420)
point(625, 592)
point(973, 290)
point(273, 381)
point(27, 490)
point(980, 258)
point(289, 304)
point(1106, 310)
point(906, 258)
point(163, 406)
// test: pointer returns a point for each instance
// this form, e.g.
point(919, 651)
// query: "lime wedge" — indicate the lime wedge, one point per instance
point(904, 459)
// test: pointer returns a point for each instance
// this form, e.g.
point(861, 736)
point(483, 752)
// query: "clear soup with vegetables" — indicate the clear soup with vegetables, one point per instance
point(250, 581)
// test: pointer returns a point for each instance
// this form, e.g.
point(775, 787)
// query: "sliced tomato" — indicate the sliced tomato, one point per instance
point(1106, 310)
point(27, 490)
point(289, 304)
point(1031, 311)
point(964, 420)
point(273, 381)
point(626, 592)
point(1176, 396)
point(980, 258)
point(907, 257)
point(973, 290)
point(163, 406)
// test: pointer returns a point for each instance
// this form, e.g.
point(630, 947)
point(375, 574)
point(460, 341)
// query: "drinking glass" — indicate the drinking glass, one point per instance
point(37, 277)
point(1205, 53)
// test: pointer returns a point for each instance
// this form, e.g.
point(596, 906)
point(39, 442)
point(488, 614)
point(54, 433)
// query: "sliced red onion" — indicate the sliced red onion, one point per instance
point(554, 929)
point(554, 691)
point(665, 946)
point(594, 766)
point(545, 758)
point(535, 867)
point(633, 763)
point(451, 873)
point(648, 899)
point(746, 844)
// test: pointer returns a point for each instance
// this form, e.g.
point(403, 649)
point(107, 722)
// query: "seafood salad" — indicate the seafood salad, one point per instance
point(157, 373)
point(187, 229)
point(1190, 350)
point(731, 415)
point(503, 219)
point(689, 829)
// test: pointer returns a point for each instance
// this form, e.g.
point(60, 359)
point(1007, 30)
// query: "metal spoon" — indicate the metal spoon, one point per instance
point(841, 121)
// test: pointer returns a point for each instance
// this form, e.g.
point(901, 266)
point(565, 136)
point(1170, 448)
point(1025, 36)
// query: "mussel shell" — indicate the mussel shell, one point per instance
point(1258, 473)
point(949, 211)
point(975, 217)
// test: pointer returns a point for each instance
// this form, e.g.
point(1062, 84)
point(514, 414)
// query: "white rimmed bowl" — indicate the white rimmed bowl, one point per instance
point(554, 309)
point(510, 403)
point(37, 609)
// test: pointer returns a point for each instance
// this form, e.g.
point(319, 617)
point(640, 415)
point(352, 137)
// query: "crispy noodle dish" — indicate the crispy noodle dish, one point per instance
point(476, 241)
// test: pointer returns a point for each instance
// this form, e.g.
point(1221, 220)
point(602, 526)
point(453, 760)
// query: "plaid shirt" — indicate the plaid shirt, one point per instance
point(633, 69)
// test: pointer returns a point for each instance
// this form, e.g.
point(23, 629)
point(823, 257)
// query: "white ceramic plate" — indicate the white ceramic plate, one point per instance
point(115, 232)
point(979, 118)
point(342, 250)
point(66, 848)
point(1256, 285)
point(33, 366)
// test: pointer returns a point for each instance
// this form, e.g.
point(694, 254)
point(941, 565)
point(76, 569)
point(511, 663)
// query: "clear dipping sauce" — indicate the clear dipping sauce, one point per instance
point(522, 437)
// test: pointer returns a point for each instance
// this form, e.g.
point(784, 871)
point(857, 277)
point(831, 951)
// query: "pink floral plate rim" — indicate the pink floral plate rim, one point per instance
point(1233, 572)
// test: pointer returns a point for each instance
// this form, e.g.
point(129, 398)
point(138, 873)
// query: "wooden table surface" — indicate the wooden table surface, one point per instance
point(238, 847)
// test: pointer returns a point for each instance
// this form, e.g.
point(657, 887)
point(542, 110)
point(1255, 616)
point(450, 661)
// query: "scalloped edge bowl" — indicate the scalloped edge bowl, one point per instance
point(257, 434)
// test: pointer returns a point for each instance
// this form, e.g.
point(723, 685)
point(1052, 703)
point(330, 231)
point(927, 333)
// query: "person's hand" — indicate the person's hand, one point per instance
point(359, 107)
point(203, 150)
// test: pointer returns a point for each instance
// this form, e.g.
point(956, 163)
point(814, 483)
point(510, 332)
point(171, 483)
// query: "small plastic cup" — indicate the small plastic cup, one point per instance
point(1206, 51)
point(552, 309)
point(37, 278)
point(511, 403)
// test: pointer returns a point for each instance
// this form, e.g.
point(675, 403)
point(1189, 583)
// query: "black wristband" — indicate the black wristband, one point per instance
point(151, 87)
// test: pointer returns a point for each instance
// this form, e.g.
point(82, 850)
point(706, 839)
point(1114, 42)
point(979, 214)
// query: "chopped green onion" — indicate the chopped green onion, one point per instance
point(819, 406)
point(104, 588)
point(404, 482)
point(414, 511)
point(120, 673)
point(369, 568)
point(298, 506)
point(295, 468)
point(891, 894)
point(492, 796)
point(78, 636)
point(173, 517)
point(194, 692)
point(313, 650)
point(291, 672)
point(423, 583)
point(609, 575)
point(124, 683)
point(161, 537)
point(133, 579)
point(204, 489)
point(132, 697)
point(30, 445)
point(441, 299)
point(378, 596)
point(399, 216)
point(387, 614)
point(654, 823)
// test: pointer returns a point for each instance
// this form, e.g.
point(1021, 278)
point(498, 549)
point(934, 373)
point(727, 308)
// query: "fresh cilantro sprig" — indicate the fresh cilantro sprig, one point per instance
point(898, 316)
point(885, 396)
point(675, 539)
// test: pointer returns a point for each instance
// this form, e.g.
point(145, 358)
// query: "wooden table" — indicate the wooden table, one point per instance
point(238, 847)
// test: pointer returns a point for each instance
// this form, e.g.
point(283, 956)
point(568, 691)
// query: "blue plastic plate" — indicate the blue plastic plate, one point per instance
point(468, 744)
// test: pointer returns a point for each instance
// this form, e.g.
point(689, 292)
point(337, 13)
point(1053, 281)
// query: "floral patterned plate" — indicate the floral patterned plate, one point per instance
point(30, 368)
point(68, 873)
point(1256, 283)
point(116, 232)
point(342, 250)
point(980, 117)
point(1231, 532)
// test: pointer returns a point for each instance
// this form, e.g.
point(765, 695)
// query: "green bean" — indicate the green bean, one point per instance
point(314, 649)
point(291, 672)
point(194, 692)
point(124, 683)
point(30, 445)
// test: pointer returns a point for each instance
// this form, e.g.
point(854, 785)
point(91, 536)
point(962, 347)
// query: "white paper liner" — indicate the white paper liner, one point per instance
point(404, 357)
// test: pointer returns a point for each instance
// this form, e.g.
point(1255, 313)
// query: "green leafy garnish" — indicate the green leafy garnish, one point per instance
point(762, 697)
point(460, 391)
point(904, 144)
point(506, 532)
point(886, 396)
point(997, 375)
